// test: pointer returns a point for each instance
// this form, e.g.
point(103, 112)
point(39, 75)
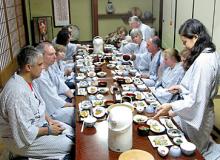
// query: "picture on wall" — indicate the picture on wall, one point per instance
point(61, 13)
point(43, 30)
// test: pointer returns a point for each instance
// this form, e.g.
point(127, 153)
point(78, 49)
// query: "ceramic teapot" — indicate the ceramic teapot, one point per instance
point(98, 44)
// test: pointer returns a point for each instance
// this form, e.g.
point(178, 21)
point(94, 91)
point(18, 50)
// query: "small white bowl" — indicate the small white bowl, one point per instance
point(90, 121)
point(162, 150)
point(188, 148)
point(140, 109)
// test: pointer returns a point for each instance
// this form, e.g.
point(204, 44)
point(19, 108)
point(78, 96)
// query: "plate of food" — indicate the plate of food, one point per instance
point(140, 118)
point(83, 84)
point(179, 140)
point(98, 64)
point(174, 133)
point(160, 140)
point(98, 103)
point(81, 92)
point(101, 74)
point(137, 81)
point(91, 74)
point(140, 103)
point(99, 112)
point(155, 126)
point(120, 67)
point(92, 89)
point(84, 113)
point(103, 90)
point(167, 122)
point(111, 66)
point(128, 80)
point(139, 95)
point(86, 104)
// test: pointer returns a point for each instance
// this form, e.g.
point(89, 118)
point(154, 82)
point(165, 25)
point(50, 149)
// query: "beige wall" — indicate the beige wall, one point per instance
point(80, 13)
point(109, 25)
point(156, 14)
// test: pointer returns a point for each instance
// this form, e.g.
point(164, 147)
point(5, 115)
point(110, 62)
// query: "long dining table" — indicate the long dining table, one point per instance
point(92, 143)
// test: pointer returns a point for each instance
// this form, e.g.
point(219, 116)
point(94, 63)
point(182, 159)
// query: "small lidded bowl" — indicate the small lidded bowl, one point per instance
point(163, 151)
point(175, 151)
point(140, 109)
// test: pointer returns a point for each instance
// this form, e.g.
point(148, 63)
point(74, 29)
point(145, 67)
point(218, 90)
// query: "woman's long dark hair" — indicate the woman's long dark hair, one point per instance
point(192, 28)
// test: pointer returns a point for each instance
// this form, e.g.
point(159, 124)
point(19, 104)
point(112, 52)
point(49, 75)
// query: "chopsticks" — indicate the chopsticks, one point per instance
point(82, 127)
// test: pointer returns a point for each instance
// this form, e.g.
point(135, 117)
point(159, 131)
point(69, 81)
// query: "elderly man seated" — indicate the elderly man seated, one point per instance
point(53, 90)
point(146, 31)
point(26, 129)
point(138, 51)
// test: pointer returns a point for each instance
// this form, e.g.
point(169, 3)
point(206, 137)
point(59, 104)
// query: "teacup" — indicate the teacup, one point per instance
point(150, 109)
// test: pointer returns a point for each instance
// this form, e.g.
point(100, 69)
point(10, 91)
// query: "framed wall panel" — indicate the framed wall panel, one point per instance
point(61, 13)
point(43, 30)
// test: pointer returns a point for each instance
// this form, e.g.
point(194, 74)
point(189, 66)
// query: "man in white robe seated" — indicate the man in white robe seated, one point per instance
point(135, 22)
point(156, 64)
point(25, 128)
point(138, 51)
point(53, 90)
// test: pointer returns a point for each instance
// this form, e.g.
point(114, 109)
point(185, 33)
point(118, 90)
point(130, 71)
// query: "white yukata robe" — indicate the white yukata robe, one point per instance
point(146, 31)
point(49, 88)
point(59, 69)
point(170, 77)
point(142, 61)
point(155, 63)
point(70, 49)
point(22, 112)
point(196, 110)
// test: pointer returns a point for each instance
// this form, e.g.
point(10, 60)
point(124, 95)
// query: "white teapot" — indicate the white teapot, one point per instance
point(98, 44)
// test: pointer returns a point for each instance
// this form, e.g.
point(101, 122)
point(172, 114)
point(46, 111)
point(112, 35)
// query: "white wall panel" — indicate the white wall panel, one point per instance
point(184, 12)
point(168, 23)
point(203, 11)
point(216, 29)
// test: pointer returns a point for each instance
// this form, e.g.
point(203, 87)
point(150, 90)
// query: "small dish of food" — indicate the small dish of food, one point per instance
point(174, 133)
point(98, 64)
point(139, 95)
point(102, 84)
point(111, 66)
point(84, 113)
point(91, 74)
point(92, 90)
point(143, 129)
point(101, 74)
point(86, 104)
point(179, 140)
point(99, 112)
point(140, 119)
point(99, 96)
point(128, 80)
point(103, 90)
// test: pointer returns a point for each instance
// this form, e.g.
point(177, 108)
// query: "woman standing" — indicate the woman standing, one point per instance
point(198, 88)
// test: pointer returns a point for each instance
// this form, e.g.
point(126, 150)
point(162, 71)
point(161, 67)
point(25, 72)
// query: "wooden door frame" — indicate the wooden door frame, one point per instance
point(94, 7)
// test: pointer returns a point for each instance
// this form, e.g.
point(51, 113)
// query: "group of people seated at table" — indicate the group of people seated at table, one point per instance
point(37, 104)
